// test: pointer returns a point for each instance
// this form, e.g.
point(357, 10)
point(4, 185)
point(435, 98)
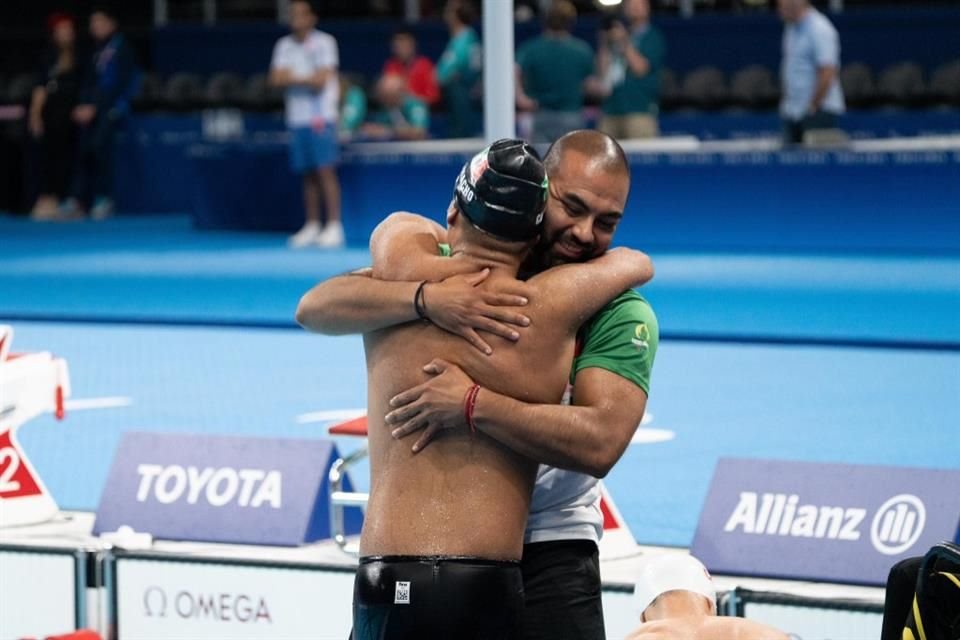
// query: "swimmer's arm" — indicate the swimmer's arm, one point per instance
point(356, 303)
point(359, 303)
point(404, 247)
point(578, 291)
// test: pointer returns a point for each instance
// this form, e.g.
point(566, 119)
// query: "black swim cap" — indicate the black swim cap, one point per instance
point(503, 190)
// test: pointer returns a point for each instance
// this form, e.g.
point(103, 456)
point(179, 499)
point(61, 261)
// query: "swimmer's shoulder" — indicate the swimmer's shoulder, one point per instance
point(729, 628)
point(660, 630)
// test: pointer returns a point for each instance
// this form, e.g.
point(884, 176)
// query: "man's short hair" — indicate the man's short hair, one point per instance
point(596, 145)
point(561, 16)
point(403, 32)
point(464, 11)
point(309, 4)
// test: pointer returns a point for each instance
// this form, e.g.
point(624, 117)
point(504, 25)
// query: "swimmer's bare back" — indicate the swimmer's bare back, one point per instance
point(466, 494)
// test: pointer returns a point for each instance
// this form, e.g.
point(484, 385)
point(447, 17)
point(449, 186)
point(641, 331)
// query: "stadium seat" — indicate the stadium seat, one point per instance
point(859, 90)
point(151, 91)
point(670, 96)
point(19, 89)
point(224, 90)
point(944, 89)
point(258, 95)
point(705, 88)
point(754, 87)
point(902, 85)
point(183, 92)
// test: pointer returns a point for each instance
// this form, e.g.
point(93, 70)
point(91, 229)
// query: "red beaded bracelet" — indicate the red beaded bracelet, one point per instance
point(469, 404)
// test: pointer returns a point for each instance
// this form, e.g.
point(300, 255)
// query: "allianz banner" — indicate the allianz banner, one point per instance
point(240, 490)
point(826, 522)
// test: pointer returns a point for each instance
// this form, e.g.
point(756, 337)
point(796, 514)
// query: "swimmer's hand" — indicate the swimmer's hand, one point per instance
point(459, 306)
point(433, 406)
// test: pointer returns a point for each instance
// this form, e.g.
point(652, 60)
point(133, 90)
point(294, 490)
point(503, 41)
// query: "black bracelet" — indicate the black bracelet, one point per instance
point(418, 304)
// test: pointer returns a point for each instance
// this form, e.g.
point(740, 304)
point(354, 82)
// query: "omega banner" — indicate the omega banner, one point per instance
point(161, 599)
point(826, 522)
point(221, 489)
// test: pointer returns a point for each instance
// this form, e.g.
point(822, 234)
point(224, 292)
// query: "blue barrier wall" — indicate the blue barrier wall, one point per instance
point(877, 37)
point(708, 200)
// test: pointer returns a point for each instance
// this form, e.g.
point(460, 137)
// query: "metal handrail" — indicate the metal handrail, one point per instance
point(340, 499)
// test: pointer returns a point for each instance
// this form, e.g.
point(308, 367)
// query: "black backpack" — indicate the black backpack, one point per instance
point(935, 614)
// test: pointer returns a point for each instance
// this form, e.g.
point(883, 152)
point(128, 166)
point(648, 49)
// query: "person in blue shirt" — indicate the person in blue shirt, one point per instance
point(110, 83)
point(812, 97)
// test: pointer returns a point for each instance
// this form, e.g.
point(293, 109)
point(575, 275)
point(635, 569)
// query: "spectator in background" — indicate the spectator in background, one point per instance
point(52, 102)
point(109, 85)
point(812, 97)
point(418, 71)
point(353, 108)
point(629, 61)
point(552, 70)
point(459, 68)
point(401, 116)
point(305, 65)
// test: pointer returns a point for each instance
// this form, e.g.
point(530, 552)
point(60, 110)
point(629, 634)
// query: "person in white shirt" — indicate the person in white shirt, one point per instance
point(812, 95)
point(305, 65)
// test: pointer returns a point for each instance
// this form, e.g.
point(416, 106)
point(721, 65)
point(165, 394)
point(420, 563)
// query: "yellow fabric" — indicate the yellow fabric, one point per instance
point(951, 577)
point(916, 618)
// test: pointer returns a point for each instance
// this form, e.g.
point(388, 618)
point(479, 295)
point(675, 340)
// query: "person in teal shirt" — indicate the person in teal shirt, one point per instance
point(629, 62)
point(402, 116)
point(353, 108)
point(552, 70)
point(458, 70)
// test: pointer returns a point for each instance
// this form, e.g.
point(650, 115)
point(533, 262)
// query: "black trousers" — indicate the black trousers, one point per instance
point(58, 148)
point(93, 173)
point(561, 581)
point(425, 598)
point(793, 130)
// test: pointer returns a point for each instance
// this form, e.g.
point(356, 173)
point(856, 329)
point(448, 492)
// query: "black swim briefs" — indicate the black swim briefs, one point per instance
point(421, 598)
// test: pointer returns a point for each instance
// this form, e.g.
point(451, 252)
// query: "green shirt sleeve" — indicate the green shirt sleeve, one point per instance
point(622, 338)
point(354, 110)
point(416, 113)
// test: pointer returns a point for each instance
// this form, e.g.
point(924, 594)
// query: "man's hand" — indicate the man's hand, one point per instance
point(376, 130)
point(435, 405)
point(457, 305)
point(83, 114)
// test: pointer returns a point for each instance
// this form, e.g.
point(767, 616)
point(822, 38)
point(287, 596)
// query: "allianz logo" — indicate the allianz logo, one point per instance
point(219, 607)
point(216, 486)
point(895, 527)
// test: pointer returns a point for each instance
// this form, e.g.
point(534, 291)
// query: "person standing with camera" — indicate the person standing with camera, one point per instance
point(629, 61)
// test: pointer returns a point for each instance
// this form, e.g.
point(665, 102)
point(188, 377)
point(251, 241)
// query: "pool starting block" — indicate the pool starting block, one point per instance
point(31, 384)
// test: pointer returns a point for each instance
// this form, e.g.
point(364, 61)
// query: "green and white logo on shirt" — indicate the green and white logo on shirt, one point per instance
point(641, 337)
